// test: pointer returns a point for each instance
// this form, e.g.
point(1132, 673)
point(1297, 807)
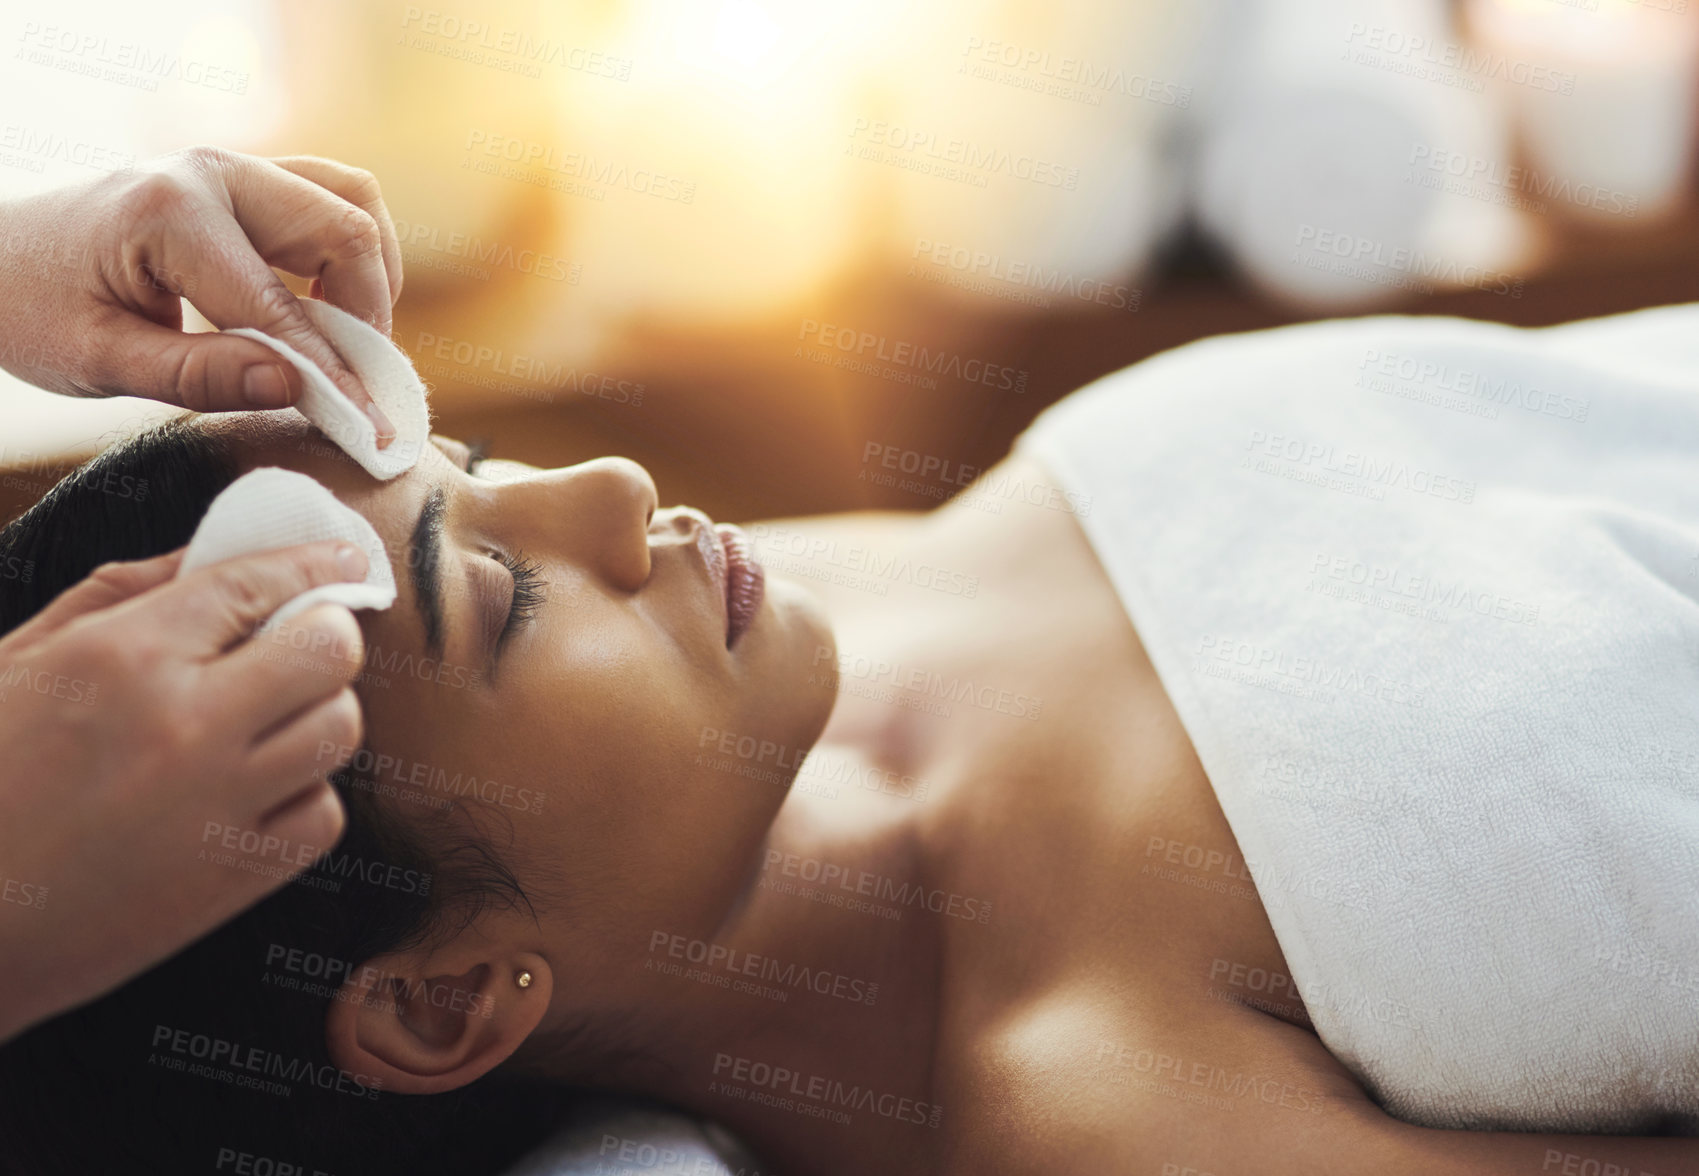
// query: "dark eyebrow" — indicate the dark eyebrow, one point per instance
point(424, 562)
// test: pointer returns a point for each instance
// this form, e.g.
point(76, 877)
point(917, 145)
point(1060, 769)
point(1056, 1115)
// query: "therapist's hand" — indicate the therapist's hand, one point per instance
point(151, 742)
point(93, 277)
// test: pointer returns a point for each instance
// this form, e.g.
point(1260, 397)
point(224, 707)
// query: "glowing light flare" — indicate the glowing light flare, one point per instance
point(1621, 32)
point(745, 34)
point(746, 42)
point(1616, 109)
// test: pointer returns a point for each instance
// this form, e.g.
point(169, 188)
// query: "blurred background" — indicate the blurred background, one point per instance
point(763, 245)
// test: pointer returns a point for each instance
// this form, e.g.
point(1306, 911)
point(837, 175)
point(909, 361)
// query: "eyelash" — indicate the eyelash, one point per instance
point(528, 586)
point(476, 452)
point(528, 582)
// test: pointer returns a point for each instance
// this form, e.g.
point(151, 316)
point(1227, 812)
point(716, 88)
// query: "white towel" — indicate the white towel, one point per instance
point(1425, 594)
point(269, 508)
point(385, 371)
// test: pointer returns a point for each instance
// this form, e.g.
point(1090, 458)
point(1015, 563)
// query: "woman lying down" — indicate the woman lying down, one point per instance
point(1286, 761)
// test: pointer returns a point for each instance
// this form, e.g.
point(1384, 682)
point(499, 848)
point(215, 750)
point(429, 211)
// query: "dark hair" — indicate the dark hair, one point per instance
point(161, 1075)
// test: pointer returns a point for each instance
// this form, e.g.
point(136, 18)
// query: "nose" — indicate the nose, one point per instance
point(595, 514)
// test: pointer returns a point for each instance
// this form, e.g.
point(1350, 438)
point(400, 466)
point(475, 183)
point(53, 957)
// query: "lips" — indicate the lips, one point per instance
point(745, 581)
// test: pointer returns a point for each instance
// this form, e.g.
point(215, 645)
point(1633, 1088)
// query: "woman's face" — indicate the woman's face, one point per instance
point(579, 708)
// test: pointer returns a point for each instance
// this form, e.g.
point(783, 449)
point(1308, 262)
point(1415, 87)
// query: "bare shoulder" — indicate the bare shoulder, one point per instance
point(1025, 1095)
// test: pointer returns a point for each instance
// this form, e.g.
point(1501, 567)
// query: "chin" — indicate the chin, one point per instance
point(801, 655)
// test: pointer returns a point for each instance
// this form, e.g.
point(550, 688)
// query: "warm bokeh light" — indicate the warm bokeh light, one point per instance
point(663, 193)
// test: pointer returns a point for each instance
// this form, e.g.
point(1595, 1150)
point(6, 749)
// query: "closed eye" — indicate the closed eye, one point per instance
point(476, 451)
point(529, 592)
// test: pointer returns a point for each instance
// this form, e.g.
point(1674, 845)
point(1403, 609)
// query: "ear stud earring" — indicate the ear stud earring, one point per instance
point(523, 979)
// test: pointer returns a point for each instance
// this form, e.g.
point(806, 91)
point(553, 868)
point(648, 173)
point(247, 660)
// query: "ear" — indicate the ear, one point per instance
point(428, 1021)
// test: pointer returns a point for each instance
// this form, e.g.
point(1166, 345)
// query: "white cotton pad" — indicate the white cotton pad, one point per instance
point(270, 508)
point(387, 374)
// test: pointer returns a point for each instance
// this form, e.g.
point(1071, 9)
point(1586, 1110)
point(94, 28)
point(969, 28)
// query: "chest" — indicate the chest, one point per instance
point(1060, 784)
point(1119, 933)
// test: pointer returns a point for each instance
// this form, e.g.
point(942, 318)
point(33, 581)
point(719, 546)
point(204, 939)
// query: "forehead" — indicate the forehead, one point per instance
point(289, 441)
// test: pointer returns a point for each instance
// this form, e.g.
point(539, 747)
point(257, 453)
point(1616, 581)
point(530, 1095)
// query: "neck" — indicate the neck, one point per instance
point(809, 1018)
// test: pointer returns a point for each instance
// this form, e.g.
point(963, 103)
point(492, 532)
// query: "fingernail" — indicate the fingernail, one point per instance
point(351, 561)
point(386, 431)
point(263, 386)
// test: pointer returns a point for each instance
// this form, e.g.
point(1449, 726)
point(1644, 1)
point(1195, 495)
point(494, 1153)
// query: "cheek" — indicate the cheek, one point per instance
point(616, 721)
point(414, 738)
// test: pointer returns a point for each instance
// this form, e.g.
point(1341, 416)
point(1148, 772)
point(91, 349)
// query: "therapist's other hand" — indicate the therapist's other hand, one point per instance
point(94, 276)
point(164, 764)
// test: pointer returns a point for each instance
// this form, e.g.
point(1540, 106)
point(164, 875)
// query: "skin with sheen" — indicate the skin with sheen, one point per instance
point(726, 830)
